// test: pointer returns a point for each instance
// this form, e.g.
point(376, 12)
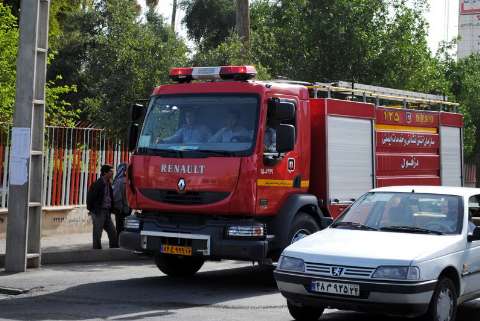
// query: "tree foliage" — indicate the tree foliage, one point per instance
point(58, 111)
point(116, 59)
point(209, 22)
point(8, 56)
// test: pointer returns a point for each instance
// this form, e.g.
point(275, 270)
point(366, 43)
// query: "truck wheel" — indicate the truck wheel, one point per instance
point(304, 313)
point(302, 225)
point(443, 306)
point(178, 266)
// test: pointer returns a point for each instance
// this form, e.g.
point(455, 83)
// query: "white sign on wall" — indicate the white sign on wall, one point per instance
point(469, 6)
point(469, 28)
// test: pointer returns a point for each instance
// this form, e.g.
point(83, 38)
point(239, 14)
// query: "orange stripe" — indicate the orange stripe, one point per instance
point(400, 128)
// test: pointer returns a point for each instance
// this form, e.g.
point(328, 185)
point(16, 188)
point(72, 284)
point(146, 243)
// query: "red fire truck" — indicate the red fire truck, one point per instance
point(227, 167)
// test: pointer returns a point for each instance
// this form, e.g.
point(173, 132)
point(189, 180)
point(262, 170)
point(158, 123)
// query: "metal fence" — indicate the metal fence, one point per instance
point(72, 159)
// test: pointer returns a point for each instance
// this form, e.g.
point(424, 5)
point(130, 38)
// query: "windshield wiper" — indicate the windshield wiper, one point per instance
point(354, 225)
point(212, 152)
point(410, 229)
point(160, 152)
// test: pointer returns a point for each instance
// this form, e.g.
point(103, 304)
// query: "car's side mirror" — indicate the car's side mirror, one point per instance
point(137, 113)
point(285, 138)
point(475, 235)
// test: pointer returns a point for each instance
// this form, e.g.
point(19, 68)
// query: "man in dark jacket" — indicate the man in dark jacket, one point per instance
point(120, 203)
point(100, 204)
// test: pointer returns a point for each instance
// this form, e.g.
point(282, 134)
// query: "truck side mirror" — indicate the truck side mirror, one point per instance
point(475, 235)
point(281, 110)
point(285, 138)
point(137, 113)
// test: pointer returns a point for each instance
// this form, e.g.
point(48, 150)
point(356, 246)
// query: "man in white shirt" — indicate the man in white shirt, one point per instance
point(191, 132)
point(232, 132)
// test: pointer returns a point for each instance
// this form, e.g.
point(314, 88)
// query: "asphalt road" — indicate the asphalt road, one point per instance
point(138, 291)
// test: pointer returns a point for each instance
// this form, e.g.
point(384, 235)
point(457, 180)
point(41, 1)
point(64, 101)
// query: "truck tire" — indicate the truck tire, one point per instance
point(443, 306)
point(304, 313)
point(302, 225)
point(178, 266)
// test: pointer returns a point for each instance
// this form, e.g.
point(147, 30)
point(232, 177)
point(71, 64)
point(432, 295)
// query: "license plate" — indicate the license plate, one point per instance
point(347, 289)
point(177, 250)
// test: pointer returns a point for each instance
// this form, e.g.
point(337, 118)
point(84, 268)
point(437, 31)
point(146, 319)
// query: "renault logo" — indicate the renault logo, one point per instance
point(336, 271)
point(181, 184)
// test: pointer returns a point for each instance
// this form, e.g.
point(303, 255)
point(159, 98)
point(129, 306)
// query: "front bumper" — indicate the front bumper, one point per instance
point(393, 298)
point(208, 241)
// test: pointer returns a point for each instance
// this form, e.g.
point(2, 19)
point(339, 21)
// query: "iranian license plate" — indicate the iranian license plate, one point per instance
point(175, 249)
point(347, 289)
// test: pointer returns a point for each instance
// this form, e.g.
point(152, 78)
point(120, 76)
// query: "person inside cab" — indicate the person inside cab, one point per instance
point(232, 131)
point(190, 132)
point(270, 139)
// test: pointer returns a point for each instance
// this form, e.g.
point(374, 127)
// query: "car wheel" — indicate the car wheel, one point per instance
point(443, 306)
point(178, 266)
point(303, 225)
point(304, 313)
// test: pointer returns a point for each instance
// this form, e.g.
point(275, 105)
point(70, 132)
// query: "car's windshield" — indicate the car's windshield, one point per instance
point(195, 125)
point(405, 213)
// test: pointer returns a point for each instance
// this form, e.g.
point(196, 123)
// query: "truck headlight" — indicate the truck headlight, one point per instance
point(292, 264)
point(132, 223)
point(397, 273)
point(246, 231)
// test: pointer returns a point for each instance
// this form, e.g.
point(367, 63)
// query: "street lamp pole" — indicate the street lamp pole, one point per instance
point(26, 157)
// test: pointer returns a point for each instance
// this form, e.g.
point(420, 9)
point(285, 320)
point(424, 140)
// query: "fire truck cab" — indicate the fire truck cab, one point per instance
point(227, 167)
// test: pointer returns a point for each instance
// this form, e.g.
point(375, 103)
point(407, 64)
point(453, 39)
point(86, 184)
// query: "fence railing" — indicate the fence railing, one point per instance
point(72, 159)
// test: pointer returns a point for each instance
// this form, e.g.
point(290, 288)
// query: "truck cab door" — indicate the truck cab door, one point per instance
point(279, 175)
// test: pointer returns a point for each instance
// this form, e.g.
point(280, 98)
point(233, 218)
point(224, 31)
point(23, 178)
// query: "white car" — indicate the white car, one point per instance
point(409, 251)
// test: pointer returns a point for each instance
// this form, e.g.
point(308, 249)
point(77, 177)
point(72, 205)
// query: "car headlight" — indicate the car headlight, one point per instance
point(397, 273)
point(292, 264)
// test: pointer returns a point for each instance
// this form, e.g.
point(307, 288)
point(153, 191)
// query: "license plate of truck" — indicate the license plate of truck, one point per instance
point(346, 289)
point(175, 249)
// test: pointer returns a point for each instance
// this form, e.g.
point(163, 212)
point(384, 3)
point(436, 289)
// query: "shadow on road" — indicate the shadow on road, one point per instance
point(153, 297)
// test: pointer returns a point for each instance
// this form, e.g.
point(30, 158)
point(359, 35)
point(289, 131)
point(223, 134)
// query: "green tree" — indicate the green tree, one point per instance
point(121, 60)
point(209, 22)
point(8, 56)
point(465, 81)
point(58, 111)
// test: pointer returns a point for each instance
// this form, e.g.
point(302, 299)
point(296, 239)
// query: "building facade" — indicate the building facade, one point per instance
point(469, 28)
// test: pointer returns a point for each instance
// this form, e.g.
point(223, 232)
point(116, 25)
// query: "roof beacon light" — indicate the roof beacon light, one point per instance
point(213, 73)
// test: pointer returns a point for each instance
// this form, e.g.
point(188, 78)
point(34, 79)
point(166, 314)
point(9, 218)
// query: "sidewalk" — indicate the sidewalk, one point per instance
point(75, 248)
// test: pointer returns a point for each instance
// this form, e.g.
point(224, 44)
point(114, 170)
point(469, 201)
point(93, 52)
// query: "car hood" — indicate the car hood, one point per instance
point(372, 248)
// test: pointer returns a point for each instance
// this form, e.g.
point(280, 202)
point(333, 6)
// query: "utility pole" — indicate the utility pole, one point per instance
point(26, 158)
point(174, 14)
point(243, 22)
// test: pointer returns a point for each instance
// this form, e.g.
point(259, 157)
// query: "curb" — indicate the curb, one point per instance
point(85, 256)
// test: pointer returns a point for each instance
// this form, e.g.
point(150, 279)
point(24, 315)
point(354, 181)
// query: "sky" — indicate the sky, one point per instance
point(442, 18)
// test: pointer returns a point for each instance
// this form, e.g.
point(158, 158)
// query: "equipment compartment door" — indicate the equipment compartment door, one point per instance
point(451, 156)
point(350, 158)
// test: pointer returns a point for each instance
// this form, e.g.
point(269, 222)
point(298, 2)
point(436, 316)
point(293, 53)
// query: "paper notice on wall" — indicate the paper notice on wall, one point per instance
point(20, 142)
point(18, 171)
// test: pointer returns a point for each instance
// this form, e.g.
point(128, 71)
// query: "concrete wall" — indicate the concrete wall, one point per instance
point(57, 220)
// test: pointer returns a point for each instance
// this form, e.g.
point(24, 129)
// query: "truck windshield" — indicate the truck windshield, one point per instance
point(200, 125)
point(405, 213)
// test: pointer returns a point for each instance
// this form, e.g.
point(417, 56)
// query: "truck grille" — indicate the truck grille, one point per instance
point(348, 271)
point(188, 198)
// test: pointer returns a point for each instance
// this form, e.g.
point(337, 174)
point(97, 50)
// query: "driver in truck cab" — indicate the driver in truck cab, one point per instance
point(233, 131)
point(190, 132)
